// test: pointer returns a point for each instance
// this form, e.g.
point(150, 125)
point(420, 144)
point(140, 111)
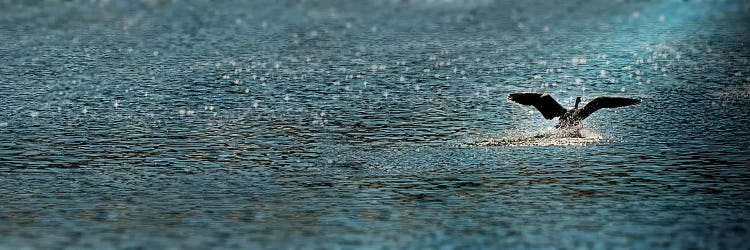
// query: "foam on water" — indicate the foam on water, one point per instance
point(547, 138)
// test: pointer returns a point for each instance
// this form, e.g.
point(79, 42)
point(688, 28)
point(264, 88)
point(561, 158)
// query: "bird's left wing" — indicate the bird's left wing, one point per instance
point(606, 102)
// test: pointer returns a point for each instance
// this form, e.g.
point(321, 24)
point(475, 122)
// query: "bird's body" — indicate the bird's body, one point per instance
point(569, 118)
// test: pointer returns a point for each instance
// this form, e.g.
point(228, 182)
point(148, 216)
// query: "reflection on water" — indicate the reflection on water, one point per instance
point(156, 124)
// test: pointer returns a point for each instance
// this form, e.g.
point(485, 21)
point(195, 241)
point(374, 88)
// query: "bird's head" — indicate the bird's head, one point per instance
point(578, 100)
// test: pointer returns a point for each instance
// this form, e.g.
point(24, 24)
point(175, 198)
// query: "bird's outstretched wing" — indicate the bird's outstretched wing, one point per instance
point(606, 102)
point(543, 102)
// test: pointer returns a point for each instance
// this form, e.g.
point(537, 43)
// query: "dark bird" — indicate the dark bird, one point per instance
point(572, 117)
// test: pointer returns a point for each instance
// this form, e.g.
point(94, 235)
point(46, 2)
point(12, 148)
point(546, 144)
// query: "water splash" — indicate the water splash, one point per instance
point(546, 138)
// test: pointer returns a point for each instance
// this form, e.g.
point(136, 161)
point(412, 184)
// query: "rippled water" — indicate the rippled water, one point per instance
point(340, 124)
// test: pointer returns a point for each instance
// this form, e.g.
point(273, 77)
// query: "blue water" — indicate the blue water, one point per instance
point(348, 124)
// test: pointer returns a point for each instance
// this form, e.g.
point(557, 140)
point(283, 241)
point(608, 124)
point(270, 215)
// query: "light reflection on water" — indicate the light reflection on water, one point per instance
point(166, 124)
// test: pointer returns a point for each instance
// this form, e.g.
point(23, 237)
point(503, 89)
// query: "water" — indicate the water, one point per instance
point(339, 124)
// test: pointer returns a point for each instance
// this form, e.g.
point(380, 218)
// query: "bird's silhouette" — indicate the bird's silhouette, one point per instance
point(569, 118)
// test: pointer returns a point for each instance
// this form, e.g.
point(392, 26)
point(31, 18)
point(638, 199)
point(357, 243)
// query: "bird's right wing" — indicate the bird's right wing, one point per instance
point(543, 102)
point(606, 102)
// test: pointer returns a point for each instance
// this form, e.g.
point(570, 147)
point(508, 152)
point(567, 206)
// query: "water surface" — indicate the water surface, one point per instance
point(339, 124)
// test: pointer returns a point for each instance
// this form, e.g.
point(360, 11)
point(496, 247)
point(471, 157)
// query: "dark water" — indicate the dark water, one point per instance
point(347, 124)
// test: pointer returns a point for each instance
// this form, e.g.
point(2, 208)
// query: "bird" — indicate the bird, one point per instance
point(573, 117)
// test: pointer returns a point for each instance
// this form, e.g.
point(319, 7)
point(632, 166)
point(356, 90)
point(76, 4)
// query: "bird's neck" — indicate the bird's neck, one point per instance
point(578, 100)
